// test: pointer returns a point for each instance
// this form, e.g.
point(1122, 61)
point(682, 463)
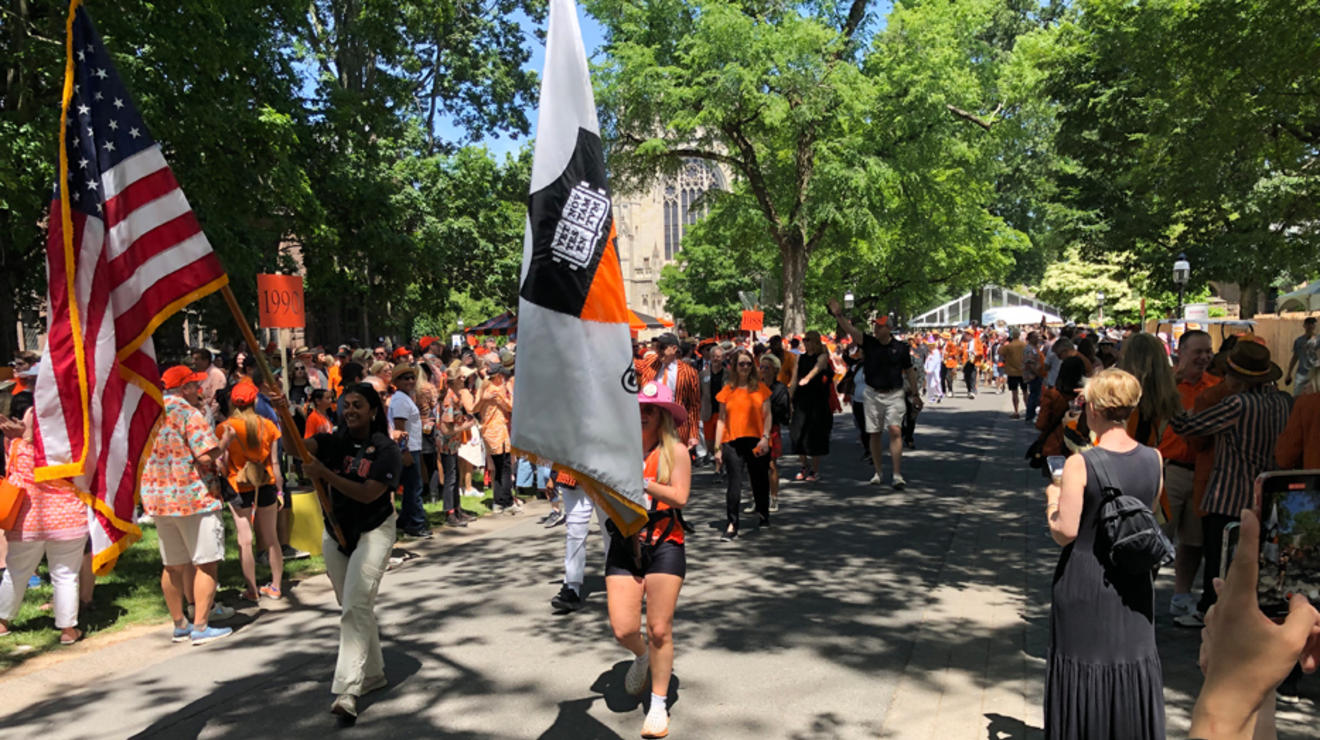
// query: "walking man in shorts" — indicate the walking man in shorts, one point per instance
point(187, 509)
point(886, 362)
point(1013, 355)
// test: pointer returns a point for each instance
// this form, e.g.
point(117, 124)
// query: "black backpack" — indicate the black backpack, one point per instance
point(1133, 539)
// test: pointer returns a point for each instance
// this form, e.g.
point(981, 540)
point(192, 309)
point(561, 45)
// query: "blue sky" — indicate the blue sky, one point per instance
point(592, 37)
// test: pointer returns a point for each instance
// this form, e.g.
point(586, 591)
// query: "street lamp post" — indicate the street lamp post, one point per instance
point(1100, 307)
point(1182, 272)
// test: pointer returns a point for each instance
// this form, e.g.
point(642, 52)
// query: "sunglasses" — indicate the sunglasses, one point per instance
point(744, 363)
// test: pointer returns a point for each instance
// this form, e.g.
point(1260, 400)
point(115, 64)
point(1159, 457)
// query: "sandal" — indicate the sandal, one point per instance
point(66, 641)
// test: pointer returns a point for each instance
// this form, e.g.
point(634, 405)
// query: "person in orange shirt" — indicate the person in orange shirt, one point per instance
point(1183, 524)
point(254, 481)
point(952, 361)
point(970, 356)
point(23, 363)
point(1299, 444)
point(319, 403)
point(743, 433)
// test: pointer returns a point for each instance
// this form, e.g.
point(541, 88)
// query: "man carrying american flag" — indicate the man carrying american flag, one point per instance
point(124, 253)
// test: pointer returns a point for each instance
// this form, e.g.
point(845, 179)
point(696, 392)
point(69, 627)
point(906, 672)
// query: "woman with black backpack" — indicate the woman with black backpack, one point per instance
point(1104, 678)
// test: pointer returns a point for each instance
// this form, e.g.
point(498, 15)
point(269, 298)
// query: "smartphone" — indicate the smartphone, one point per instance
point(1289, 539)
point(1056, 467)
point(1229, 549)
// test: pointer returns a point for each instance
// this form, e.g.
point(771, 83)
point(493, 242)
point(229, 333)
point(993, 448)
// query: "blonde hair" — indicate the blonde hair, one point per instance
point(1145, 358)
point(668, 438)
point(1113, 393)
point(251, 423)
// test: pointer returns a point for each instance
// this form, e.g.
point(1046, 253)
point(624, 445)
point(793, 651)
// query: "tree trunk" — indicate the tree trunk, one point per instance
point(1248, 299)
point(8, 316)
point(794, 256)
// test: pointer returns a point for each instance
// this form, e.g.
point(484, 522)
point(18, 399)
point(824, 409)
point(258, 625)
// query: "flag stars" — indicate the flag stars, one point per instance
point(109, 146)
point(134, 132)
point(91, 184)
point(119, 103)
point(114, 125)
point(98, 96)
point(83, 163)
point(100, 73)
point(84, 110)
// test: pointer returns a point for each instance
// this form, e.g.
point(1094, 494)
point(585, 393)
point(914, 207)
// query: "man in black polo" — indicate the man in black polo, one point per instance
point(885, 362)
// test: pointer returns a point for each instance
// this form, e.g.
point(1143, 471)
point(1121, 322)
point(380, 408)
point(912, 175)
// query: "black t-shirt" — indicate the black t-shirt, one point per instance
point(716, 383)
point(359, 460)
point(885, 363)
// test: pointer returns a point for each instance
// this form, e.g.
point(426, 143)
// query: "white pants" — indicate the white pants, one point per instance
point(63, 557)
point(356, 578)
point(577, 512)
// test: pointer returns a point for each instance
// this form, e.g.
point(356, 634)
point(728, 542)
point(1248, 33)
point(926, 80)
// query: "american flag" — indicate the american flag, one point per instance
point(124, 252)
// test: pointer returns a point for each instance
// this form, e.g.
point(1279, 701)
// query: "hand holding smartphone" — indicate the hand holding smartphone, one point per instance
point(1289, 555)
point(1055, 463)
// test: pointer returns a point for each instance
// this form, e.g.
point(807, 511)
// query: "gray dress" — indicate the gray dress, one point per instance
point(1104, 676)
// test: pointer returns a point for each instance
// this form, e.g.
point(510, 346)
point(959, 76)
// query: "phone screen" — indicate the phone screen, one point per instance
point(1290, 539)
point(1056, 465)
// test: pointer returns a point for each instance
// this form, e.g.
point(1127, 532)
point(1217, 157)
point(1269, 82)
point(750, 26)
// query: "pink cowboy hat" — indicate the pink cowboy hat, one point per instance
point(662, 396)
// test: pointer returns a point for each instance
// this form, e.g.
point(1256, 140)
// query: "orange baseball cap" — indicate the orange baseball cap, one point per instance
point(180, 375)
point(244, 394)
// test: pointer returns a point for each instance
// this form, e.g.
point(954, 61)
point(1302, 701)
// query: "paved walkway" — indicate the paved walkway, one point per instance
point(862, 613)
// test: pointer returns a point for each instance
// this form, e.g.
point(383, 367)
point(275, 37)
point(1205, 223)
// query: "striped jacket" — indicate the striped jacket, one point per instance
point(1245, 428)
point(687, 392)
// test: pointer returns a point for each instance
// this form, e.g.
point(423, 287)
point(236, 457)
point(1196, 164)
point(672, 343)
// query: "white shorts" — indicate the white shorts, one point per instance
point(198, 538)
point(883, 409)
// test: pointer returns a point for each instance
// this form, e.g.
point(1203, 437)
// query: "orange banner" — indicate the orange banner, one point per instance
point(280, 302)
point(752, 320)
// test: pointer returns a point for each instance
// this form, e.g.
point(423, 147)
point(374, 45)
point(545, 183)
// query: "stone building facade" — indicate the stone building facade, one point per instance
point(651, 226)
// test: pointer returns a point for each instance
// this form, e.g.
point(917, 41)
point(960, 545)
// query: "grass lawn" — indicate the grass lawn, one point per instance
point(131, 594)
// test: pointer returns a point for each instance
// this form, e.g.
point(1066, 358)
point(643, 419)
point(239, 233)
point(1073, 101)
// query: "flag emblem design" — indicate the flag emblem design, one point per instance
point(124, 252)
point(575, 397)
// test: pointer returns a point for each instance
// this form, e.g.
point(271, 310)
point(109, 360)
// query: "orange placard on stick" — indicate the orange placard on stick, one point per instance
point(280, 302)
point(752, 320)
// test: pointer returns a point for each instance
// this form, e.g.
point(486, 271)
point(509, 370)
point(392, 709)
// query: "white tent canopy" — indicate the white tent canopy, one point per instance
point(1305, 299)
point(1016, 316)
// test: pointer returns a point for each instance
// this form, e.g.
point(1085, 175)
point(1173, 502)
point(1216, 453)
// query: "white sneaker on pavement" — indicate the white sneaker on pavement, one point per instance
point(877, 480)
point(899, 484)
point(1182, 604)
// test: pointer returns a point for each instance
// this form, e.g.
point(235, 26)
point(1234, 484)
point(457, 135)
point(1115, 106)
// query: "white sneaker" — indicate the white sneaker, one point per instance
point(655, 725)
point(635, 681)
point(877, 480)
point(899, 484)
point(1193, 620)
point(345, 706)
point(1182, 605)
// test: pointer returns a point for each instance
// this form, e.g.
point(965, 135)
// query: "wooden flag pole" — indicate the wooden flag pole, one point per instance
point(286, 419)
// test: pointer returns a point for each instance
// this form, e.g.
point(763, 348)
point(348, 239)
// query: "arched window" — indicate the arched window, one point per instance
point(683, 203)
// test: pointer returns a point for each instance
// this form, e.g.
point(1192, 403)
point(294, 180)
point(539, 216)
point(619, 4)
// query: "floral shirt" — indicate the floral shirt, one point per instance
point(171, 483)
point(452, 412)
point(51, 510)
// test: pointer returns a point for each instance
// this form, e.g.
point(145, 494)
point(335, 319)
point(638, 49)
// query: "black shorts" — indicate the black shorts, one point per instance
point(1015, 383)
point(262, 497)
point(670, 558)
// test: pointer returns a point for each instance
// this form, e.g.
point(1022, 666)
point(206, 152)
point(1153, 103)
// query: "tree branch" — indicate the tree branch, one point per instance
point(694, 153)
point(855, 15)
point(984, 123)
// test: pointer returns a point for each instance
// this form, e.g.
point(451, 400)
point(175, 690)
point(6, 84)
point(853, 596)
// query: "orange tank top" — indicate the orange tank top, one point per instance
point(650, 470)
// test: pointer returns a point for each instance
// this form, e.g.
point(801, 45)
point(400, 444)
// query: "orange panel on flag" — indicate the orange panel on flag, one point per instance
point(280, 302)
point(752, 320)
